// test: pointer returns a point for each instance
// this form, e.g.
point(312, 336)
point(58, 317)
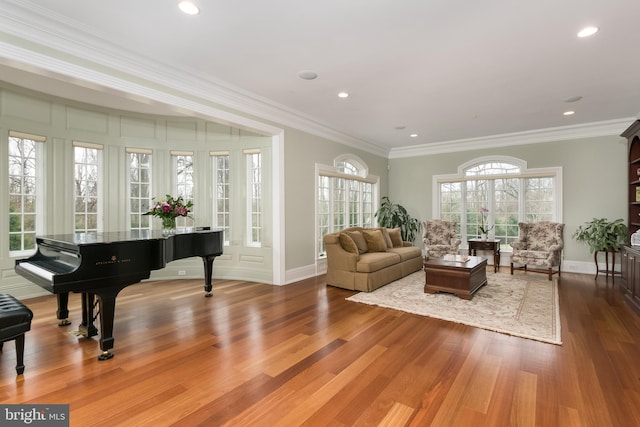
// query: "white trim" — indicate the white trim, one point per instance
point(563, 133)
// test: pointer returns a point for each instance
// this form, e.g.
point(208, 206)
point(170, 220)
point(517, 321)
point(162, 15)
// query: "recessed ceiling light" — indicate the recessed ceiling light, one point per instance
point(307, 75)
point(569, 113)
point(188, 7)
point(343, 95)
point(414, 135)
point(588, 31)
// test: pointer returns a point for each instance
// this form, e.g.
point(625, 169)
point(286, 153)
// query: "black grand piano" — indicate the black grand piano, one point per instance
point(102, 264)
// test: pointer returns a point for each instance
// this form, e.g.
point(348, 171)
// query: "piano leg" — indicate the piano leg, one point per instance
point(107, 313)
point(208, 272)
point(63, 309)
point(87, 328)
point(107, 307)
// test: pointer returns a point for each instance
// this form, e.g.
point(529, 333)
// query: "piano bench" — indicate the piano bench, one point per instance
point(15, 320)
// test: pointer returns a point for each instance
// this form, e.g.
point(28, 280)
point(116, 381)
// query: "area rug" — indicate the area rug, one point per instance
point(521, 305)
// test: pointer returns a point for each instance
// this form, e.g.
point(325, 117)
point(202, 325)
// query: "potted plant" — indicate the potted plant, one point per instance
point(602, 235)
point(391, 215)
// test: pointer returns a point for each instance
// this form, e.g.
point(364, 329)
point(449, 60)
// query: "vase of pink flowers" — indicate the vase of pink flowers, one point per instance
point(168, 210)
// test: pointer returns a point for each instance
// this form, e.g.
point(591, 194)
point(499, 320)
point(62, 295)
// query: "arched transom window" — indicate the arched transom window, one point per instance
point(496, 193)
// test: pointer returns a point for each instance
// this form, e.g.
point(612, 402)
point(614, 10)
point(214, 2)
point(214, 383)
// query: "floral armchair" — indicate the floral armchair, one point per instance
point(440, 238)
point(539, 244)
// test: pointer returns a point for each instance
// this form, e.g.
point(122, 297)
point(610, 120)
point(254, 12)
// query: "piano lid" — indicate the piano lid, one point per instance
point(95, 238)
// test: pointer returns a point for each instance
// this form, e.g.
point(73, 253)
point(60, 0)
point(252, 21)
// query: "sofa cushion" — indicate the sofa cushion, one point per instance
point(385, 235)
point(374, 261)
point(347, 243)
point(358, 238)
point(375, 240)
point(407, 252)
point(396, 237)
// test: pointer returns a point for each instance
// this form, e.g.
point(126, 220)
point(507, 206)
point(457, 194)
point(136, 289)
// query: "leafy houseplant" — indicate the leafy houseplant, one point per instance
point(601, 234)
point(391, 215)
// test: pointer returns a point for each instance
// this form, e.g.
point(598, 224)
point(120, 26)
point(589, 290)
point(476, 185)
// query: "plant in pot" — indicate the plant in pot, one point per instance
point(392, 215)
point(602, 235)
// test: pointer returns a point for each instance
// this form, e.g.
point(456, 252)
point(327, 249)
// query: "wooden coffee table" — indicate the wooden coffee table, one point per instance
point(460, 278)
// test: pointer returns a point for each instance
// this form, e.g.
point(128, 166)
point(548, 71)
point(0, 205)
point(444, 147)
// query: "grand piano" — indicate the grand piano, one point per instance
point(100, 265)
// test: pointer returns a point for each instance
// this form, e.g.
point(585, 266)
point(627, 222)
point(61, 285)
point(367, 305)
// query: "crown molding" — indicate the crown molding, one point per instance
point(71, 49)
point(563, 133)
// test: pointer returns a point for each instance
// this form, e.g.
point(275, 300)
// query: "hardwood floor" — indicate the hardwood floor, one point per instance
point(260, 355)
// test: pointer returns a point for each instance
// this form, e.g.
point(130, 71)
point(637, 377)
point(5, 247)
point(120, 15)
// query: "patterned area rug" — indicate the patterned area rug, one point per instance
point(521, 305)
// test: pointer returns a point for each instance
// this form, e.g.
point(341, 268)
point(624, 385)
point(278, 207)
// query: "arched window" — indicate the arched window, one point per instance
point(497, 193)
point(346, 196)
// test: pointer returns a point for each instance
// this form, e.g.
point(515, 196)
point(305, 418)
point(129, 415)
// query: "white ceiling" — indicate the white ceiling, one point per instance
point(443, 69)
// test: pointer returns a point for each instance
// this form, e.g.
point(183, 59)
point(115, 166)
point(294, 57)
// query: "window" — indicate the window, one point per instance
point(184, 172)
point(221, 194)
point(254, 199)
point(139, 188)
point(506, 188)
point(87, 203)
point(345, 197)
point(24, 192)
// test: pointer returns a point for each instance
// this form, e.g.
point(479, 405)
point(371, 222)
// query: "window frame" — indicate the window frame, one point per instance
point(215, 211)
point(99, 186)
point(335, 174)
point(177, 184)
point(140, 214)
point(554, 172)
point(254, 218)
point(39, 191)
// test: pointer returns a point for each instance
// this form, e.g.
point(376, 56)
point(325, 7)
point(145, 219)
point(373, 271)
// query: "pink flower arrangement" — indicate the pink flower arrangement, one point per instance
point(170, 208)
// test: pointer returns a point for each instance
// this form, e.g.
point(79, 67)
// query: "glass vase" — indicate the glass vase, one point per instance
point(169, 226)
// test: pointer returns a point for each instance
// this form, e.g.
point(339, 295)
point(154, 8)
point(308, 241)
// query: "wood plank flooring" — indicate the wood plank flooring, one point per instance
point(260, 355)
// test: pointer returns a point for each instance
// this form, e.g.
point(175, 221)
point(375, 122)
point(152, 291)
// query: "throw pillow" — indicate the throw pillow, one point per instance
point(396, 237)
point(358, 238)
point(375, 240)
point(385, 235)
point(347, 243)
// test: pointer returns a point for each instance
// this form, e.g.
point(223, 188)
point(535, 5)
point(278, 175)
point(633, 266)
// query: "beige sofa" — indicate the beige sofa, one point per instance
point(358, 260)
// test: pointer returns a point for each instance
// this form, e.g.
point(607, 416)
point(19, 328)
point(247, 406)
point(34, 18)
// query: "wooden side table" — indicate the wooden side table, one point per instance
point(613, 272)
point(486, 245)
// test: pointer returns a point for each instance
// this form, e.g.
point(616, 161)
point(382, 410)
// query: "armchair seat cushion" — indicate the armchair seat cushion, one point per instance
point(538, 258)
point(531, 255)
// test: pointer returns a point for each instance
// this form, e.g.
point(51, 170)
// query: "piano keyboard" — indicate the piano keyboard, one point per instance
point(38, 271)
